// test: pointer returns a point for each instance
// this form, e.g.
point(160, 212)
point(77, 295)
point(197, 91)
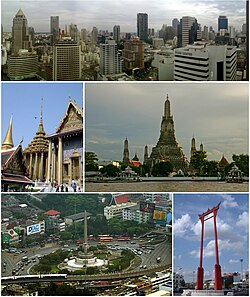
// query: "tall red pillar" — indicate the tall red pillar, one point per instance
point(217, 269)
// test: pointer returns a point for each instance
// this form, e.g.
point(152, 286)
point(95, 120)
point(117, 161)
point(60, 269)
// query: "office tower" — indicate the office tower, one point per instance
point(94, 35)
point(188, 31)
point(142, 26)
point(73, 32)
point(84, 35)
point(22, 66)
point(66, 61)
point(244, 28)
point(133, 54)
point(54, 29)
point(110, 62)
point(222, 23)
point(20, 32)
point(116, 33)
point(205, 34)
point(205, 62)
point(175, 23)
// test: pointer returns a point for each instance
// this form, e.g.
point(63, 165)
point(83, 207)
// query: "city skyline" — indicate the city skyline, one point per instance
point(135, 111)
point(106, 14)
point(17, 98)
point(233, 246)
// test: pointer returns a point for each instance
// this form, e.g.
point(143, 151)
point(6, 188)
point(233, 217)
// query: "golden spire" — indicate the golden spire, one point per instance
point(8, 140)
point(40, 127)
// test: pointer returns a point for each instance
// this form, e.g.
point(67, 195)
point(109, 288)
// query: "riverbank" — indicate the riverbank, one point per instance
point(167, 186)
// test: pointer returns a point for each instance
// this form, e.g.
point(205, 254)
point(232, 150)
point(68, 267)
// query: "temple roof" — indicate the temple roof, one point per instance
point(223, 162)
point(73, 118)
point(39, 143)
point(12, 162)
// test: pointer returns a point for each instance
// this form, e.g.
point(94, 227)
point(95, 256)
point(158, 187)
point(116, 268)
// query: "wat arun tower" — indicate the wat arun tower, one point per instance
point(167, 147)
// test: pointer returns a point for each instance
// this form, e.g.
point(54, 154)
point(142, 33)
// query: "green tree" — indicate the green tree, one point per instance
point(91, 161)
point(162, 169)
point(110, 170)
point(242, 162)
point(198, 161)
point(211, 168)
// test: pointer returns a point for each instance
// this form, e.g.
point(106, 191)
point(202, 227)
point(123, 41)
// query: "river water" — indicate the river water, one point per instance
point(167, 186)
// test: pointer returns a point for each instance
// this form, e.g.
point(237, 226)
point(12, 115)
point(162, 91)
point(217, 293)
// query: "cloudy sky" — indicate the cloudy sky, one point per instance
point(104, 14)
point(232, 229)
point(215, 113)
point(23, 101)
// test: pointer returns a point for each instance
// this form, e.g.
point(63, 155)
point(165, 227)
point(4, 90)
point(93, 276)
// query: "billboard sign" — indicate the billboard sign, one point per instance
point(147, 206)
point(159, 215)
point(36, 228)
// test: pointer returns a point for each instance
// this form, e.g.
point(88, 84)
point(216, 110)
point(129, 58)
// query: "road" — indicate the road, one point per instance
point(148, 257)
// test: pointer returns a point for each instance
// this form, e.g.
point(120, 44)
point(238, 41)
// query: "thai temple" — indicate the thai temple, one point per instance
point(14, 172)
point(49, 159)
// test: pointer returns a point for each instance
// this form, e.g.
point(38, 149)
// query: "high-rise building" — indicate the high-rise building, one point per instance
point(110, 61)
point(20, 35)
point(116, 33)
point(222, 23)
point(84, 35)
point(66, 60)
point(175, 23)
point(205, 62)
point(54, 29)
point(167, 147)
point(73, 32)
point(188, 31)
point(133, 54)
point(142, 26)
point(22, 66)
point(94, 35)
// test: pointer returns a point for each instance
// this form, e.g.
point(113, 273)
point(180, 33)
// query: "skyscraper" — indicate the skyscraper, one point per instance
point(54, 29)
point(133, 54)
point(66, 60)
point(116, 33)
point(222, 23)
point(188, 31)
point(175, 23)
point(142, 26)
point(110, 62)
point(20, 32)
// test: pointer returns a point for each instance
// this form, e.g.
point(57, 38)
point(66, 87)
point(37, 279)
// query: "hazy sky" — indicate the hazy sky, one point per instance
point(104, 14)
point(23, 100)
point(233, 215)
point(215, 113)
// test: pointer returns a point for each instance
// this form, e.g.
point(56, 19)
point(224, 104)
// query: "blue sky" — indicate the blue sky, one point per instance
point(104, 14)
point(23, 100)
point(232, 229)
point(215, 113)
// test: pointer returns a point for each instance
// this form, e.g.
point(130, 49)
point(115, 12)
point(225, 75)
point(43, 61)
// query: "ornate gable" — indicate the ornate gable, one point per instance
point(15, 163)
point(72, 120)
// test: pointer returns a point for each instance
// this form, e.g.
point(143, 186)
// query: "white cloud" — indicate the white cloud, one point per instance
point(243, 220)
point(223, 245)
point(182, 225)
point(231, 261)
point(229, 201)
